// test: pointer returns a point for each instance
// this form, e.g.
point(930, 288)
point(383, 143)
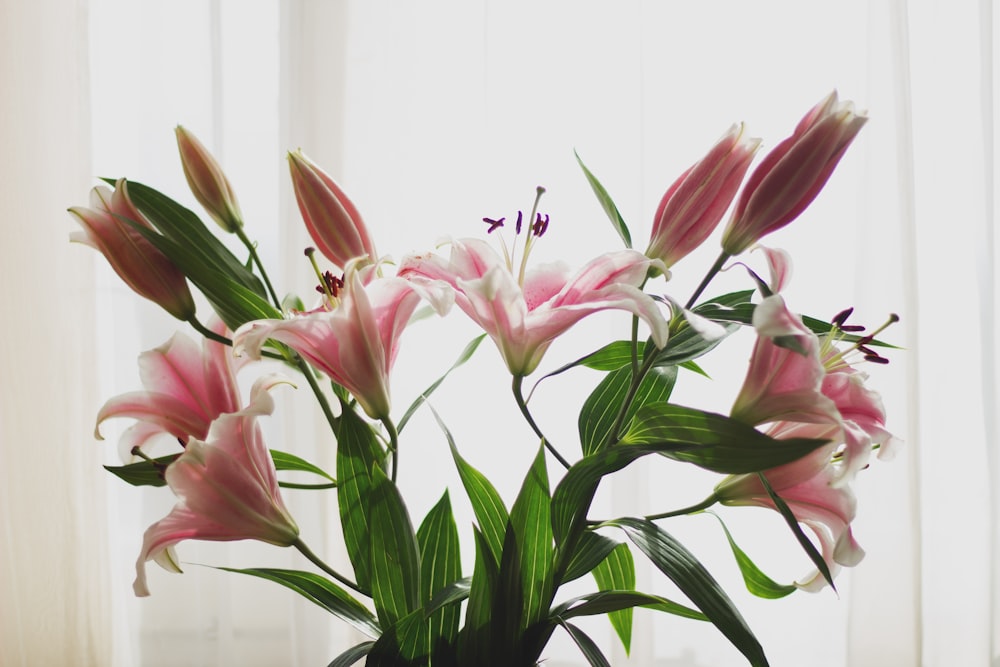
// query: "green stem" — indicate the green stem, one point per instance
point(324, 404)
point(390, 427)
point(519, 397)
point(708, 278)
point(635, 345)
point(305, 551)
point(260, 266)
point(211, 335)
point(307, 487)
point(633, 388)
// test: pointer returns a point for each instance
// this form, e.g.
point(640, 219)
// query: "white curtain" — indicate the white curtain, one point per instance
point(433, 116)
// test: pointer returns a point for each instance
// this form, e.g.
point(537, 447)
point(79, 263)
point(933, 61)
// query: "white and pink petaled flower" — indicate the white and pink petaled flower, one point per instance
point(227, 489)
point(185, 389)
point(523, 310)
point(354, 337)
point(803, 386)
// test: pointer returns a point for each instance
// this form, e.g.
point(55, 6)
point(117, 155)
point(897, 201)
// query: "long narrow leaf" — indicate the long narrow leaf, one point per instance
point(599, 411)
point(590, 551)
point(530, 518)
point(321, 591)
point(352, 655)
point(712, 441)
point(617, 573)
point(611, 601)
point(680, 565)
point(286, 461)
point(395, 557)
point(466, 354)
point(815, 556)
point(586, 645)
point(606, 203)
point(756, 581)
point(358, 452)
point(440, 566)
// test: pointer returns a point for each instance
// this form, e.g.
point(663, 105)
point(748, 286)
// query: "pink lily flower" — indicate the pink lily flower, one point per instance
point(333, 221)
point(693, 206)
point(143, 268)
point(228, 490)
point(812, 490)
point(185, 389)
point(524, 316)
point(207, 181)
point(791, 176)
point(784, 382)
point(354, 340)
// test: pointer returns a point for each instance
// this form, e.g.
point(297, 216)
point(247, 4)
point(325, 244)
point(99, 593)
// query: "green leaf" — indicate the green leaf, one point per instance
point(440, 567)
point(793, 523)
point(286, 461)
point(395, 557)
point(612, 601)
point(192, 235)
point(475, 640)
point(352, 655)
point(617, 573)
point(599, 411)
point(455, 592)
point(712, 441)
point(466, 354)
point(323, 592)
point(486, 502)
point(586, 645)
point(691, 577)
point(358, 451)
point(530, 519)
point(590, 551)
point(507, 611)
point(756, 581)
point(607, 204)
point(144, 473)
point(405, 644)
point(611, 357)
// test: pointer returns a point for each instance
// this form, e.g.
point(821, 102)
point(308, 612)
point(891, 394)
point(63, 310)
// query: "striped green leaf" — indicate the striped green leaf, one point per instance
point(530, 519)
point(440, 567)
point(756, 581)
point(607, 204)
point(395, 558)
point(617, 573)
point(691, 577)
point(599, 411)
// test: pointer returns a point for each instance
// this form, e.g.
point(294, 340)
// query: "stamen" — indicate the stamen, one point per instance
point(517, 227)
point(540, 225)
point(876, 359)
point(325, 286)
point(842, 316)
point(497, 223)
point(851, 328)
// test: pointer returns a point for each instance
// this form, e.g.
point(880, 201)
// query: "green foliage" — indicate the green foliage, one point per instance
point(756, 581)
point(691, 577)
point(323, 592)
point(607, 204)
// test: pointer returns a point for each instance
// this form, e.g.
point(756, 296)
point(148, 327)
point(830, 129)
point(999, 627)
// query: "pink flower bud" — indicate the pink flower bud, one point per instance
point(210, 186)
point(695, 203)
point(333, 221)
point(792, 174)
point(137, 261)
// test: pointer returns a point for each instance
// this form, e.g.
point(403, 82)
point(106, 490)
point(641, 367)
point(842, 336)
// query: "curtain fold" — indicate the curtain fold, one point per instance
point(54, 578)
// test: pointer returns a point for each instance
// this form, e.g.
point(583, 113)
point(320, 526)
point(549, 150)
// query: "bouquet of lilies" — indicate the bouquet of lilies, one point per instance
point(802, 426)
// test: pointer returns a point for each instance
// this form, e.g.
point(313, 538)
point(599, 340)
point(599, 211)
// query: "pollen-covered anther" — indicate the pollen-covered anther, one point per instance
point(331, 284)
point(494, 224)
point(540, 225)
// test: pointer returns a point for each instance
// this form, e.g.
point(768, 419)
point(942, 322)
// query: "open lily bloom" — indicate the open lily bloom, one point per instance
point(228, 490)
point(354, 337)
point(784, 382)
point(185, 388)
point(811, 489)
point(523, 316)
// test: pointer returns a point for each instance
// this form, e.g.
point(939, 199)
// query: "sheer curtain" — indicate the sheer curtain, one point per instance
point(432, 118)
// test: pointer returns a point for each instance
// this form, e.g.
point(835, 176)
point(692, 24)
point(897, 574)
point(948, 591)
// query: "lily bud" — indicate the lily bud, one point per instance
point(207, 181)
point(334, 223)
point(137, 261)
point(693, 206)
point(791, 175)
